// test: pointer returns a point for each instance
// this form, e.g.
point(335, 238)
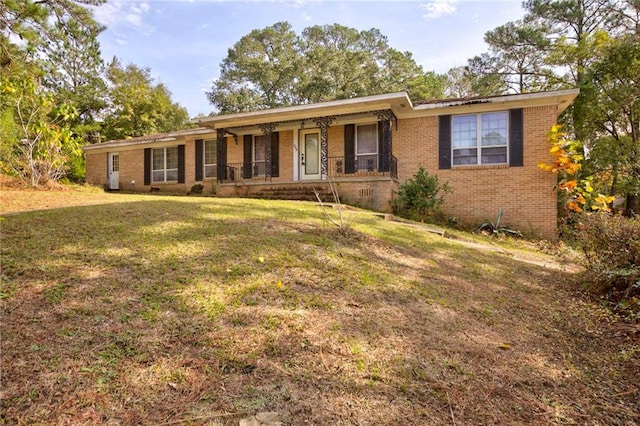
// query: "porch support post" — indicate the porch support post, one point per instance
point(267, 130)
point(385, 118)
point(323, 123)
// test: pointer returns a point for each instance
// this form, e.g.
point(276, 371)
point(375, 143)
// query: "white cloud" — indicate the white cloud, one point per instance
point(306, 17)
point(123, 13)
point(297, 3)
point(435, 9)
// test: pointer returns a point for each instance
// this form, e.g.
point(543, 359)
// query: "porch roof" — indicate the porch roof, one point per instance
point(398, 103)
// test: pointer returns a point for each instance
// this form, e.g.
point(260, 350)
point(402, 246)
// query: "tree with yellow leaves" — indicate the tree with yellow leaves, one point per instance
point(566, 163)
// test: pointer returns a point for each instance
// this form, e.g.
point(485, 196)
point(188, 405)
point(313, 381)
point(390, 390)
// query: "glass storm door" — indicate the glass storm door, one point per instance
point(114, 170)
point(310, 155)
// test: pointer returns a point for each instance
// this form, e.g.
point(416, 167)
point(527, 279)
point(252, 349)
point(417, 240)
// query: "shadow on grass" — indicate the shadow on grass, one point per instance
point(168, 310)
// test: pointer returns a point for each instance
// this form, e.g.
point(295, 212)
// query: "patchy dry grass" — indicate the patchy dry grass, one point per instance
point(133, 309)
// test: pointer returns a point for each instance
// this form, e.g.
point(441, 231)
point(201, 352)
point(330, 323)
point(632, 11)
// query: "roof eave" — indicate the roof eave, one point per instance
point(397, 102)
point(164, 137)
point(561, 98)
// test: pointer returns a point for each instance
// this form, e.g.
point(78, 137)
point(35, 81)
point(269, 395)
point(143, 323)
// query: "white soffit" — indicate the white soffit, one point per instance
point(397, 102)
point(149, 139)
point(560, 98)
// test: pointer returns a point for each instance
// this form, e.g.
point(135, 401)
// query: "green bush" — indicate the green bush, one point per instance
point(611, 245)
point(76, 169)
point(420, 197)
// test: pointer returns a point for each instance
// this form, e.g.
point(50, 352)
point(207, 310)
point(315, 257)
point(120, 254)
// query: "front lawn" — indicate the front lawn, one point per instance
point(144, 309)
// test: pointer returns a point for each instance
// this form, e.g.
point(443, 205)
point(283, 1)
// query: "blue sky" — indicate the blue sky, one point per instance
point(184, 42)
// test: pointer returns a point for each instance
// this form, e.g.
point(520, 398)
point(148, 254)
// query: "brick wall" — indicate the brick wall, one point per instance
point(335, 143)
point(286, 156)
point(370, 194)
point(96, 163)
point(525, 193)
point(131, 174)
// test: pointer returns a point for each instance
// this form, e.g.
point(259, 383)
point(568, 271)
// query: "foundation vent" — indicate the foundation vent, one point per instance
point(366, 193)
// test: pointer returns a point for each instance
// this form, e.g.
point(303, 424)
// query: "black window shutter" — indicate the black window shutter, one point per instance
point(180, 163)
point(380, 148)
point(199, 159)
point(147, 166)
point(247, 156)
point(275, 154)
point(444, 142)
point(221, 151)
point(516, 138)
point(349, 148)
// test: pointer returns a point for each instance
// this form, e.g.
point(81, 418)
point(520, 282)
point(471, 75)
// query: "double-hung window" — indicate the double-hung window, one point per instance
point(367, 147)
point(480, 138)
point(210, 158)
point(259, 155)
point(165, 164)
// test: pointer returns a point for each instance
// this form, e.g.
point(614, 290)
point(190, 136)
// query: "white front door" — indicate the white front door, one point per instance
point(310, 155)
point(114, 170)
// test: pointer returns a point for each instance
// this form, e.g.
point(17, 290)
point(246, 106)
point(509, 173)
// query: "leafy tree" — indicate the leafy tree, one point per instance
point(342, 63)
point(460, 83)
point(575, 28)
point(259, 72)
point(336, 63)
point(75, 75)
point(38, 23)
point(613, 117)
point(37, 144)
point(429, 85)
point(552, 47)
point(567, 161)
point(485, 77)
point(274, 67)
point(596, 41)
point(138, 105)
point(515, 61)
point(36, 137)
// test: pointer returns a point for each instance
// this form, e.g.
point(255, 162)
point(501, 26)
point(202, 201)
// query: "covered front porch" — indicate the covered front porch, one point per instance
point(295, 162)
point(285, 152)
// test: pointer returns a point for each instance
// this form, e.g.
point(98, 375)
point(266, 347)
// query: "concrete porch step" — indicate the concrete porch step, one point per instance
point(303, 193)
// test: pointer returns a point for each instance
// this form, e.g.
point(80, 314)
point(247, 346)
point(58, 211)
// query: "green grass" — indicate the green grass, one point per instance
point(153, 309)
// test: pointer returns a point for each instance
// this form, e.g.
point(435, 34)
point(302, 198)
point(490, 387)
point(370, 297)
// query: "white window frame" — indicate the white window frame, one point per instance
point(478, 146)
point(212, 166)
point(364, 166)
point(257, 169)
point(164, 168)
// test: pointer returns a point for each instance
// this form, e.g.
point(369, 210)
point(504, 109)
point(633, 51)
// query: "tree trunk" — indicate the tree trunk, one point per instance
point(633, 205)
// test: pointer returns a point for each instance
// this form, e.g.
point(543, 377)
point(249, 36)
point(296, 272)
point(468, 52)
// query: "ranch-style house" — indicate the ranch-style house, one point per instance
point(486, 148)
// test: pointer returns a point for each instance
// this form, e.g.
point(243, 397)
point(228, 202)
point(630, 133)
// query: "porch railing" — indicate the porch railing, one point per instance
point(353, 166)
point(363, 165)
point(236, 172)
